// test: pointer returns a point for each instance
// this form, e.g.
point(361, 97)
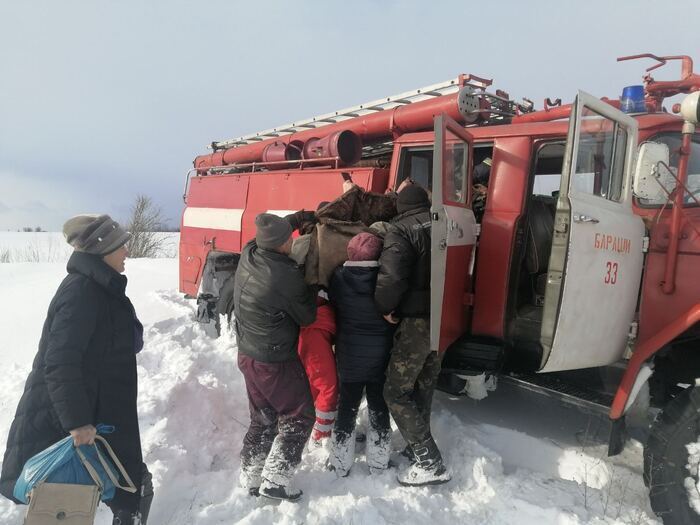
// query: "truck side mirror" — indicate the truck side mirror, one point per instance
point(652, 175)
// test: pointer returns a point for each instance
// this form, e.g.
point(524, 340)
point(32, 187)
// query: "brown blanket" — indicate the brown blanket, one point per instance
point(340, 221)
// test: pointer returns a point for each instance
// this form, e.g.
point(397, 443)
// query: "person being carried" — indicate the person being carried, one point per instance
point(271, 302)
point(363, 343)
point(316, 339)
point(403, 297)
point(316, 354)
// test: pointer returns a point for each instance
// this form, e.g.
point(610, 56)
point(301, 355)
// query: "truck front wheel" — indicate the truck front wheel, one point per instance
point(671, 458)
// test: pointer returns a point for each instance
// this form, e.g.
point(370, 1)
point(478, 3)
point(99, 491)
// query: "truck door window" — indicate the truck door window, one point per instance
point(548, 164)
point(601, 158)
point(455, 190)
point(417, 164)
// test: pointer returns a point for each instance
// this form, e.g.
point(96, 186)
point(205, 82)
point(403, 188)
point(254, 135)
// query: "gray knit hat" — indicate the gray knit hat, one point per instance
point(271, 231)
point(95, 234)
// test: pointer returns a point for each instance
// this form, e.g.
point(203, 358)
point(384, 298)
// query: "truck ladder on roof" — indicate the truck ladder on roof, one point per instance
point(409, 97)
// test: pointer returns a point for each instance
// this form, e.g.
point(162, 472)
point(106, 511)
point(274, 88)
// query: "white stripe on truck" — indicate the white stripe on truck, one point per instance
point(214, 218)
point(281, 213)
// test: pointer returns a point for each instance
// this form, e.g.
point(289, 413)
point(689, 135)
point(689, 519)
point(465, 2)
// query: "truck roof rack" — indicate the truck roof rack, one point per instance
point(408, 97)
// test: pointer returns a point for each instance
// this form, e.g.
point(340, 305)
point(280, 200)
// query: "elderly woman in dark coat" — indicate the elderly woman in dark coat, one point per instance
point(363, 342)
point(85, 370)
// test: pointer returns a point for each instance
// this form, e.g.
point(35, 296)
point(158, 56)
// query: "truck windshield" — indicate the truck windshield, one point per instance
point(673, 141)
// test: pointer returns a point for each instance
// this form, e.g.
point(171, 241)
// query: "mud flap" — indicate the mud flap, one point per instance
point(618, 436)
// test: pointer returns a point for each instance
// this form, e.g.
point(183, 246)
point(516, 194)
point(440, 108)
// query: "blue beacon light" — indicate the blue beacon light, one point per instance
point(632, 100)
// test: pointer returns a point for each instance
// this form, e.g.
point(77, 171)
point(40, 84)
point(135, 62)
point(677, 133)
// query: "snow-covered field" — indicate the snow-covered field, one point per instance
point(52, 247)
point(517, 458)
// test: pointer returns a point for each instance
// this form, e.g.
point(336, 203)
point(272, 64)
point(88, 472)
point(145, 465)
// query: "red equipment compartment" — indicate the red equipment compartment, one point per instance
point(211, 220)
point(284, 192)
point(221, 209)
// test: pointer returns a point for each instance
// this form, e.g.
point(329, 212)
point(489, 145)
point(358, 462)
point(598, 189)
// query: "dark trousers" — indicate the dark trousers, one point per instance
point(349, 404)
point(411, 378)
point(281, 418)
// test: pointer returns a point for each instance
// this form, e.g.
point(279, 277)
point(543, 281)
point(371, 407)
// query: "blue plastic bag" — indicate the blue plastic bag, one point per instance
point(60, 463)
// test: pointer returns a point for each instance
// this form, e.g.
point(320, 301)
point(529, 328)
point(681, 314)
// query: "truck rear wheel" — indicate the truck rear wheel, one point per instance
point(670, 470)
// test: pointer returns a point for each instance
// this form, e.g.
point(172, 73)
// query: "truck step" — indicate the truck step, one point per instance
point(474, 355)
point(554, 385)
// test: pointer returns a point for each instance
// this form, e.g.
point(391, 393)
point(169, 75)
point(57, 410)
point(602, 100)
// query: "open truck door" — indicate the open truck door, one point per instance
point(595, 266)
point(453, 234)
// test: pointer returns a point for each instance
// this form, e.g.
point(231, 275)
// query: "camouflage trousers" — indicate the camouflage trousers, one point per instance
point(411, 377)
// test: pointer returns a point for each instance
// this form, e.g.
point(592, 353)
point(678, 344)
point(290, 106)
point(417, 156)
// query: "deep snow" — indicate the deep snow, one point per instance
point(516, 457)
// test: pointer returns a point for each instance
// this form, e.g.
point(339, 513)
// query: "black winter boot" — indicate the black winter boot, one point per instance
point(407, 452)
point(428, 468)
point(146, 496)
point(125, 517)
point(279, 492)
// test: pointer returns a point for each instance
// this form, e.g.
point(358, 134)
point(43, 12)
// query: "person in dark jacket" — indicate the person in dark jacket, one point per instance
point(362, 346)
point(271, 302)
point(403, 297)
point(85, 370)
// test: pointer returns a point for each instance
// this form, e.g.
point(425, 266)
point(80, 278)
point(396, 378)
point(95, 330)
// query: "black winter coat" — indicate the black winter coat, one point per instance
point(84, 372)
point(363, 338)
point(271, 301)
point(403, 284)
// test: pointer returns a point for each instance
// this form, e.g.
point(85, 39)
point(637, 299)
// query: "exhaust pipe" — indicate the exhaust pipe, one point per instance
point(345, 145)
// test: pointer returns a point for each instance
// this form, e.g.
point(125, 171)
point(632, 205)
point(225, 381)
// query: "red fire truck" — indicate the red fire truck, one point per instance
point(582, 273)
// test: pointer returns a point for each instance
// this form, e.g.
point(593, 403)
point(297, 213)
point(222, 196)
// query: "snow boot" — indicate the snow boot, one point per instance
point(342, 454)
point(407, 452)
point(250, 479)
point(274, 491)
point(379, 471)
point(378, 448)
point(146, 496)
point(125, 517)
point(428, 468)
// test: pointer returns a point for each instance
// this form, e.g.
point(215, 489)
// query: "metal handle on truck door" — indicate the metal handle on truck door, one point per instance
point(585, 218)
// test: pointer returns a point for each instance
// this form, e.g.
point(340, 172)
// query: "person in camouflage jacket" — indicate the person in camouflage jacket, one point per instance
point(402, 296)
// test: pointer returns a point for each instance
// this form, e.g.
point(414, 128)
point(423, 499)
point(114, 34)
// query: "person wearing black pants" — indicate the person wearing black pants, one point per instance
point(84, 372)
point(363, 341)
point(378, 443)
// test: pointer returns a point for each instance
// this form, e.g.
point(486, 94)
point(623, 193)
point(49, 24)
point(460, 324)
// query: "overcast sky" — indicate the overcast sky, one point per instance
point(101, 101)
